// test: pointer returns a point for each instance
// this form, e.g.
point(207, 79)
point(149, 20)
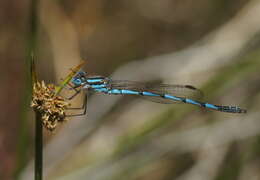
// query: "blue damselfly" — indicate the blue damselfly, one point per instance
point(160, 93)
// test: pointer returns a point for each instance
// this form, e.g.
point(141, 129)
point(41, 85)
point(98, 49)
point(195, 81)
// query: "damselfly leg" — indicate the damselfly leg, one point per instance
point(71, 87)
point(83, 107)
point(84, 103)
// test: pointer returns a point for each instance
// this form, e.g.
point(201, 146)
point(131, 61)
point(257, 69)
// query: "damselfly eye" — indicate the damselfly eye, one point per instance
point(77, 81)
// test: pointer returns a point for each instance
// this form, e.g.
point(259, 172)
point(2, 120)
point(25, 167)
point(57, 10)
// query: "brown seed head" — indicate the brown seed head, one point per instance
point(51, 106)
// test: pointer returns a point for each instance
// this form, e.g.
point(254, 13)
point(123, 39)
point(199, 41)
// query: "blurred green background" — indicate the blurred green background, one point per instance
point(211, 44)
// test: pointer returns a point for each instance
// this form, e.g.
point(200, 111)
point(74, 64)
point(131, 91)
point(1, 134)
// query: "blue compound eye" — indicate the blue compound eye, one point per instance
point(77, 81)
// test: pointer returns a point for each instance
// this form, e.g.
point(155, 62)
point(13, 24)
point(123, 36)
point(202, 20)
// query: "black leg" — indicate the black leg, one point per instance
point(84, 106)
point(74, 89)
point(75, 94)
point(71, 86)
point(79, 108)
point(71, 97)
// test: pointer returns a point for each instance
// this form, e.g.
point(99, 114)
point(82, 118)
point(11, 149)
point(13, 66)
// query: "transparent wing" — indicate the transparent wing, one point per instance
point(184, 91)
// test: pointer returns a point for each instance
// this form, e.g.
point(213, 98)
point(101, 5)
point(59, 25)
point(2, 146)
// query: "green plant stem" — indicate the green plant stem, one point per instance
point(22, 150)
point(38, 131)
point(38, 123)
point(38, 147)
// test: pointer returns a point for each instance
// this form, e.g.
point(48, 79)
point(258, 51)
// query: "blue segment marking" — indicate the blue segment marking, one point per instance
point(122, 91)
point(149, 94)
point(190, 101)
point(211, 106)
point(114, 91)
point(172, 97)
point(125, 91)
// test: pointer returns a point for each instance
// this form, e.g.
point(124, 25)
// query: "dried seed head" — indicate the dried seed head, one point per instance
point(51, 106)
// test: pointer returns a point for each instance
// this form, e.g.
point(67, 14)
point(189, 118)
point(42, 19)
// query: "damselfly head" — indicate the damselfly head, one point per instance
point(79, 79)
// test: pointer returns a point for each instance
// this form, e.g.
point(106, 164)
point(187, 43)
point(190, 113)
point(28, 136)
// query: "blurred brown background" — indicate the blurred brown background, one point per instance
point(211, 44)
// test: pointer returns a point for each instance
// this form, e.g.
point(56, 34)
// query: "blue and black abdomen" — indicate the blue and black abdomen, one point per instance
point(160, 93)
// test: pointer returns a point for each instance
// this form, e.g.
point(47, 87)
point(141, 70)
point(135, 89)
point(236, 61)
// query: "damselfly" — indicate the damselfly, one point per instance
point(160, 93)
